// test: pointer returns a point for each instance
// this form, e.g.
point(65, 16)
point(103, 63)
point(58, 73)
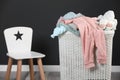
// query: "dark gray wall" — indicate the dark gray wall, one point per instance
point(42, 16)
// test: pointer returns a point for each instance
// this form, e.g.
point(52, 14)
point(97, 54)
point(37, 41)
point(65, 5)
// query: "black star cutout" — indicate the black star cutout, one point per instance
point(18, 35)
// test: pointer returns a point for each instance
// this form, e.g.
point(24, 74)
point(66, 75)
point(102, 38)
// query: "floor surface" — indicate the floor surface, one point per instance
point(50, 76)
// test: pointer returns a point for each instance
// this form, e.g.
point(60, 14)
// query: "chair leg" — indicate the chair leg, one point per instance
point(7, 77)
point(31, 69)
point(40, 66)
point(19, 67)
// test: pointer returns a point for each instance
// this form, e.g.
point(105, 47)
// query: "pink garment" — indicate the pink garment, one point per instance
point(92, 37)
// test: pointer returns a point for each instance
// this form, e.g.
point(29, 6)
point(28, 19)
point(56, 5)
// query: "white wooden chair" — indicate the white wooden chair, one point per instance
point(18, 41)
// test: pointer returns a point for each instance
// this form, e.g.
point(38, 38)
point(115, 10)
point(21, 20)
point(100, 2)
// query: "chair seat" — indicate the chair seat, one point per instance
point(27, 56)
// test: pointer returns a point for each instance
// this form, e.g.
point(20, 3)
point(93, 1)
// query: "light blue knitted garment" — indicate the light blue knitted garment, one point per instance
point(71, 15)
point(62, 28)
point(70, 29)
point(58, 30)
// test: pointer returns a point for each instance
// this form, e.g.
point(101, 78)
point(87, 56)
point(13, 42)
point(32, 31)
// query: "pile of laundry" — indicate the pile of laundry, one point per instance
point(106, 21)
point(91, 31)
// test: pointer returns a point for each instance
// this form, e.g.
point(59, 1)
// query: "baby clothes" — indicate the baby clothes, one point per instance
point(91, 36)
point(108, 20)
point(62, 28)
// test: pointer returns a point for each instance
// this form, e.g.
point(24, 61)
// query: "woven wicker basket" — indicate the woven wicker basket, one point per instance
point(71, 59)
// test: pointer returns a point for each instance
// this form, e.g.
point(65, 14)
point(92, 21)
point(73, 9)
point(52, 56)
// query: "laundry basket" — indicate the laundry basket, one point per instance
point(71, 59)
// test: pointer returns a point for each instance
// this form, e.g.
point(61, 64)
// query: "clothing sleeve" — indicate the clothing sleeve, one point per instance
point(68, 21)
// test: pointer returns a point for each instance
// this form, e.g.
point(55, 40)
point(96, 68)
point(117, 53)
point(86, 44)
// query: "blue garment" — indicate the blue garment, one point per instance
point(70, 29)
point(71, 15)
point(62, 28)
point(58, 30)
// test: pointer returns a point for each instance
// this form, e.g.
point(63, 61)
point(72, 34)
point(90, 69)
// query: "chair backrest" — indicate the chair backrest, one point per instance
point(18, 40)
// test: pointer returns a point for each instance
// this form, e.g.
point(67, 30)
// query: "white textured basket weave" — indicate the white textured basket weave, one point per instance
point(71, 59)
